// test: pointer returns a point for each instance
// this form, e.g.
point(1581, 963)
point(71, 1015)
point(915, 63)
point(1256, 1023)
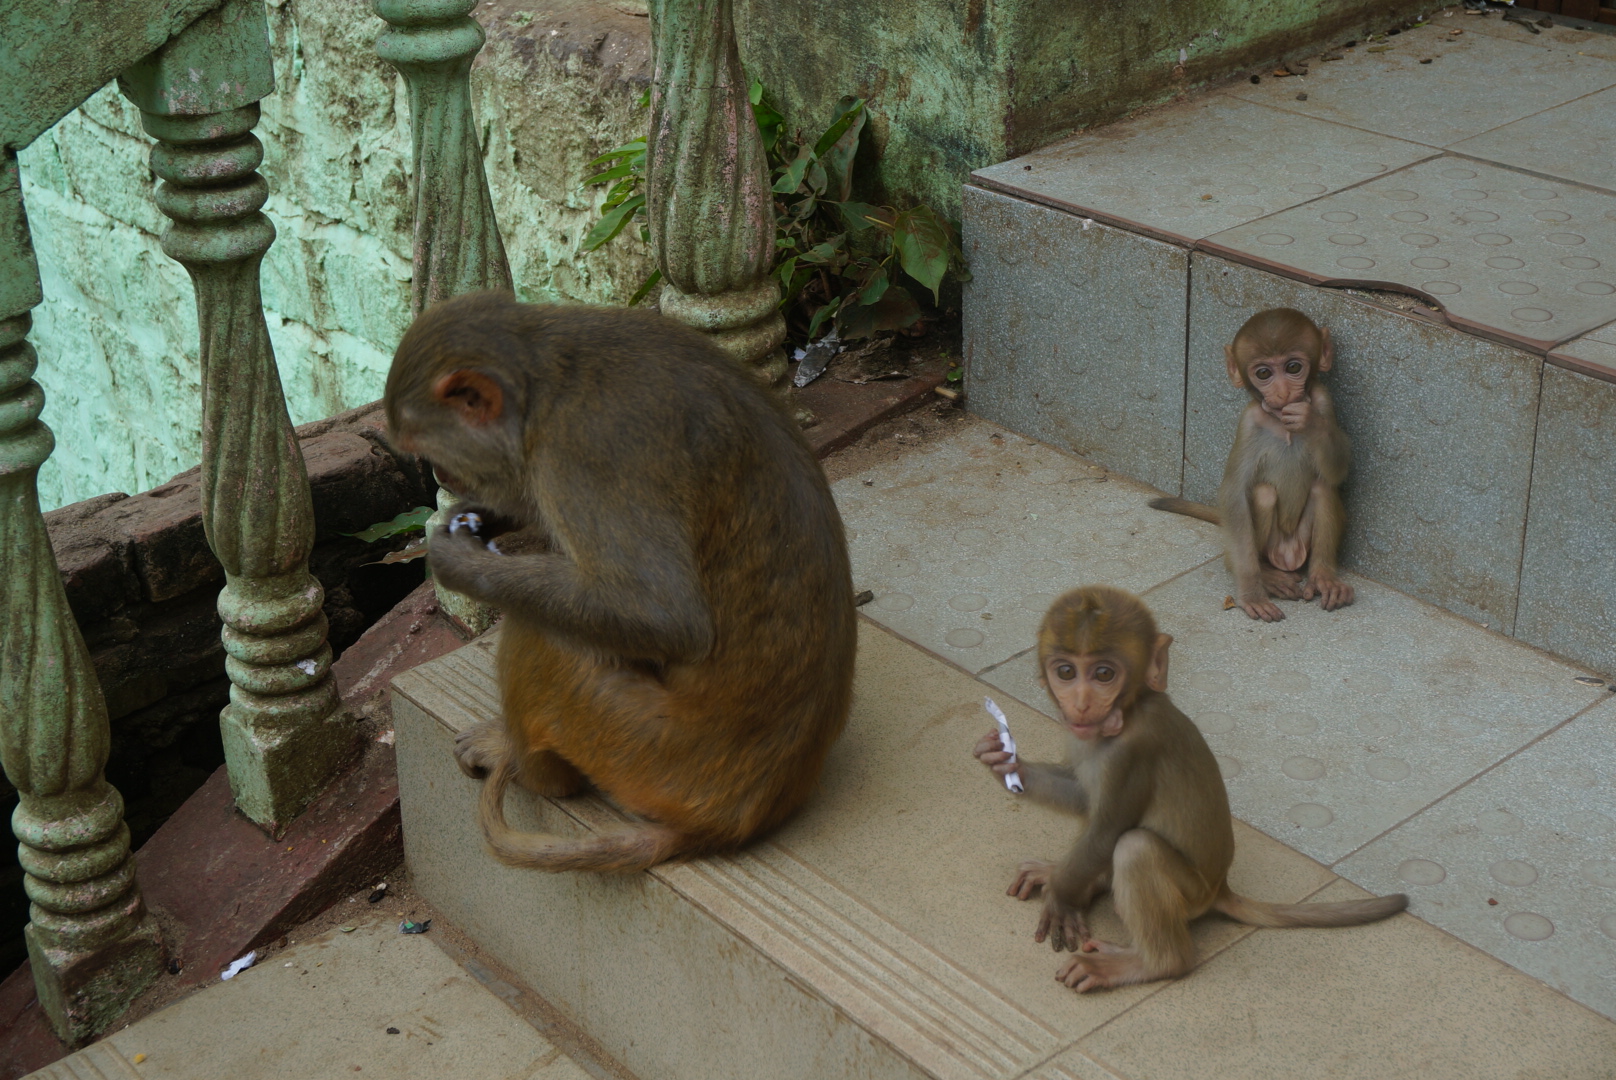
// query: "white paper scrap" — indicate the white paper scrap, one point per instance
point(1013, 780)
point(237, 967)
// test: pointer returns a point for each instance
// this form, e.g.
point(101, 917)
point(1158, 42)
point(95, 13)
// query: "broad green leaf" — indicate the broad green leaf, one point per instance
point(821, 315)
point(837, 155)
point(754, 93)
point(922, 241)
point(791, 179)
point(617, 172)
point(407, 522)
point(816, 179)
point(876, 287)
point(611, 223)
point(645, 99)
point(859, 216)
point(645, 288)
point(821, 254)
point(628, 149)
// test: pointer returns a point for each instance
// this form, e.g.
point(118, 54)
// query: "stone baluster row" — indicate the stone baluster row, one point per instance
point(92, 945)
point(708, 195)
point(285, 734)
point(457, 244)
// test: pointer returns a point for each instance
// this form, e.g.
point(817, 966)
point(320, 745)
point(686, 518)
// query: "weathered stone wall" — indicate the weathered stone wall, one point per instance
point(955, 85)
point(117, 334)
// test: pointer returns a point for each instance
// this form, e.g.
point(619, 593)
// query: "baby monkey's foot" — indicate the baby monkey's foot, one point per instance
point(478, 748)
point(1285, 584)
point(1065, 927)
point(1332, 591)
point(1031, 876)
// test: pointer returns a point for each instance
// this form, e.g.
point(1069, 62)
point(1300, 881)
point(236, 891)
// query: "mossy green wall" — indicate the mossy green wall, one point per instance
point(116, 335)
point(955, 85)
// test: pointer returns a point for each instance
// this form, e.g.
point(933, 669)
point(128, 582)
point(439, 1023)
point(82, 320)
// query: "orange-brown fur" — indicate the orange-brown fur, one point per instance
point(683, 639)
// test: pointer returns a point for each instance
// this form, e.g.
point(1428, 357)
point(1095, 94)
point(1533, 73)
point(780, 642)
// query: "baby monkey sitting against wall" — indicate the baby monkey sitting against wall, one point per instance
point(1280, 501)
point(1157, 831)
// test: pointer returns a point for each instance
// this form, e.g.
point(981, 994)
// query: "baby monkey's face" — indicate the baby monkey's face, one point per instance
point(1087, 689)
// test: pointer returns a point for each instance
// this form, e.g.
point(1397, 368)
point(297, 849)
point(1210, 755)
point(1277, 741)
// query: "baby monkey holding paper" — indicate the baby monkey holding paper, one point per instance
point(1157, 831)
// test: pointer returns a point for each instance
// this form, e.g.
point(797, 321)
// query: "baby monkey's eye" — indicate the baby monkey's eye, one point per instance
point(1104, 674)
point(1294, 367)
point(1263, 374)
point(1065, 672)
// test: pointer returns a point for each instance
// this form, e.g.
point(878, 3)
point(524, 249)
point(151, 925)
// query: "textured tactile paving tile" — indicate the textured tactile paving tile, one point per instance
point(1576, 141)
point(966, 541)
point(1538, 836)
point(1474, 83)
point(1195, 169)
point(1593, 354)
point(1507, 254)
point(1331, 727)
point(1395, 1000)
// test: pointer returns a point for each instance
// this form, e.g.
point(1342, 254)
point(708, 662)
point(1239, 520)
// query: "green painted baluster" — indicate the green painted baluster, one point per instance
point(91, 943)
point(457, 244)
point(284, 733)
point(707, 187)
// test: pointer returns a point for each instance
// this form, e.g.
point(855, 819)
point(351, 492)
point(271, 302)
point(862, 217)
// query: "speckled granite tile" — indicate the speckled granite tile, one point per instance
point(1521, 863)
point(1474, 83)
point(966, 541)
point(1568, 575)
point(1075, 334)
point(1199, 167)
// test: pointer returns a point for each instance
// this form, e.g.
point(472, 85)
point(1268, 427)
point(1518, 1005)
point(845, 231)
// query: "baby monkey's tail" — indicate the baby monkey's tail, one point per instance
point(641, 845)
point(1344, 913)
point(1188, 509)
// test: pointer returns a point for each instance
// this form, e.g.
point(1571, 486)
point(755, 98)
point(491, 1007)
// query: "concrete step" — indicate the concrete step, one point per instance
point(1450, 222)
point(871, 936)
point(342, 1006)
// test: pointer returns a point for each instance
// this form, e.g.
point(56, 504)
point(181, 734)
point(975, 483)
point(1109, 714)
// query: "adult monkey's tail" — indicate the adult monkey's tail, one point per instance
point(637, 847)
point(1188, 509)
point(1344, 913)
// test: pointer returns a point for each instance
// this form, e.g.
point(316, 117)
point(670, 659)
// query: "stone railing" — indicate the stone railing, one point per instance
point(196, 70)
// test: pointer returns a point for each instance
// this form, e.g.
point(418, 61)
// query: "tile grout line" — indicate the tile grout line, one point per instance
point(1184, 397)
point(1596, 703)
point(1526, 518)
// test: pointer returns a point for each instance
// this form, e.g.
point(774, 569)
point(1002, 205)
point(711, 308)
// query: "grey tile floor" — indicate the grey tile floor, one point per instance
point(1392, 740)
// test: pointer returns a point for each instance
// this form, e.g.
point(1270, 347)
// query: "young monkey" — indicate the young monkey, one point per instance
point(1157, 830)
point(1280, 503)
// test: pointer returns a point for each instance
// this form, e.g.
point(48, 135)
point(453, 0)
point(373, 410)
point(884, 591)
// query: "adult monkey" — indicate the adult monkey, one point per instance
point(683, 636)
point(1280, 501)
point(1158, 832)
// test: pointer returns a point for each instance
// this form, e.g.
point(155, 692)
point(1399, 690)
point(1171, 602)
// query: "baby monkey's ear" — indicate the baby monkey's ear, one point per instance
point(475, 398)
point(1156, 670)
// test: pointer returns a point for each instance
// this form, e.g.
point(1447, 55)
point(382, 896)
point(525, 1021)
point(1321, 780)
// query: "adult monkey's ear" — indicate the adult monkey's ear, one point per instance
point(1156, 670)
point(1232, 362)
point(1326, 349)
point(474, 397)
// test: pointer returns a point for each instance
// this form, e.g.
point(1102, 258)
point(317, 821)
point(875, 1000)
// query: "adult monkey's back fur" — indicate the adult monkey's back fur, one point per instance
point(684, 636)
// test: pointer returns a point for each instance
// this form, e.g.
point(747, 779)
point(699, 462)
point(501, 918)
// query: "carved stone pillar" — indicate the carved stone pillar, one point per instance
point(708, 195)
point(91, 943)
point(284, 732)
point(457, 243)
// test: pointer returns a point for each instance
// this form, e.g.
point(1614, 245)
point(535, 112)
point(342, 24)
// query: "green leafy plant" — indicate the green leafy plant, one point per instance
point(411, 521)
point(840, 263)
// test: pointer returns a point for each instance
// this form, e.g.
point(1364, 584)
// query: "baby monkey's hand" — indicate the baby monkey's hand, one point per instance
point(990, 752)
point(1295, 416)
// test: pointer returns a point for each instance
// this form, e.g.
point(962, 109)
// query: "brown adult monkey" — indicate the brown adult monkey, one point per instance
point(1280, 501)
point(683, 637)
point(1157, 829)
